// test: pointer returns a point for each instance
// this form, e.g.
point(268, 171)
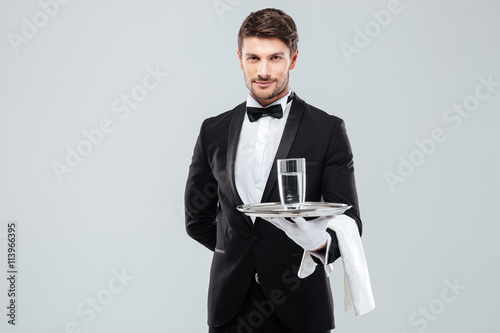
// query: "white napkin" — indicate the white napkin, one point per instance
point(357, 287)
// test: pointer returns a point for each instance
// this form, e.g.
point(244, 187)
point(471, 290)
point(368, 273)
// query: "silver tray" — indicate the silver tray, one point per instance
point(308, 209)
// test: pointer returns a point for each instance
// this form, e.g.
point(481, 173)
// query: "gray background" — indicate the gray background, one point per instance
point(121, 207)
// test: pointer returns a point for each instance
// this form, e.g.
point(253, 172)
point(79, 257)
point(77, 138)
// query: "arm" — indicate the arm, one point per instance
point(338, 183)
point(201, 198)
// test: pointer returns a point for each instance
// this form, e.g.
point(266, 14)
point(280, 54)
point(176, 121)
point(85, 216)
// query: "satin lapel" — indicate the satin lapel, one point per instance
point(233, 138)
point(291, 128)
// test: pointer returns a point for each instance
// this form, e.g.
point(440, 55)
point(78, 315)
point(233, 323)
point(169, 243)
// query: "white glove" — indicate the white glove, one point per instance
point(310, 235)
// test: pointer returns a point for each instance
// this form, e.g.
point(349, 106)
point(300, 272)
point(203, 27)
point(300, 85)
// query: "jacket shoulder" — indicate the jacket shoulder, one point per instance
point(321, 115)
point(221, 120)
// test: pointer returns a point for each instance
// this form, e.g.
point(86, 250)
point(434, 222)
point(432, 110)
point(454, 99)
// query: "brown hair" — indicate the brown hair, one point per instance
point(270, 23)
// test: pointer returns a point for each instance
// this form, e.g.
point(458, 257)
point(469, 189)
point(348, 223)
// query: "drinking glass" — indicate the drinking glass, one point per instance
point(292, 182)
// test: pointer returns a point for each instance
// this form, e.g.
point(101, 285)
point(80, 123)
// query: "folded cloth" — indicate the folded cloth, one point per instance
point(357, 287)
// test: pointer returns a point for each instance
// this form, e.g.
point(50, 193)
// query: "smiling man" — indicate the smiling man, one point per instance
point(266, 63)
point(256, 279)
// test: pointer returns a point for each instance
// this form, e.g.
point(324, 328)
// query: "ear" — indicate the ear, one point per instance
point(294, 60)
point(241, 60)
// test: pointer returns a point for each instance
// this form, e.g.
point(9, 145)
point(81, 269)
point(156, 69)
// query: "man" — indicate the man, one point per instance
point(254, 283)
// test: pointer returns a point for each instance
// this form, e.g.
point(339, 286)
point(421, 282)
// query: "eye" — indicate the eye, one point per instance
point(252, 59)
point(276, 58)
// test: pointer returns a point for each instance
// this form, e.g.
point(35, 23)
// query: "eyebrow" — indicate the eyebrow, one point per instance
point(272, 55)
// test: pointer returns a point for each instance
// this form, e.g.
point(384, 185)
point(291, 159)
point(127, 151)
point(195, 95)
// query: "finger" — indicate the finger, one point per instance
point(275, 219)
point(322, 223)
point(287, 226)
point(299, 220)
point(278, 222)
point(318, 223)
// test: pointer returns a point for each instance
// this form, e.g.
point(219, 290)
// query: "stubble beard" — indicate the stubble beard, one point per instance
point(264, 96)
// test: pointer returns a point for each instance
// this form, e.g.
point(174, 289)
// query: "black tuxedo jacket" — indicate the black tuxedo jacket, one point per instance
point(242, 247)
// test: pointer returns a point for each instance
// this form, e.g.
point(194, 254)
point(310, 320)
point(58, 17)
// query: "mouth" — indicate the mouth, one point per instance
point(263, 84)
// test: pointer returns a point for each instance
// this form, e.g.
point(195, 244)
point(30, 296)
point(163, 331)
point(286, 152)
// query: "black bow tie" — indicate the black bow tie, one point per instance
point(255, 114)
point(275, 111)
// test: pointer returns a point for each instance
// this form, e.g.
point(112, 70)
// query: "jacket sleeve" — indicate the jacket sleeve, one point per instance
point(201, 198)
point(338, 183)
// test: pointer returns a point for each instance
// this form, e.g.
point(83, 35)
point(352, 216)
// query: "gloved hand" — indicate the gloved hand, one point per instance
point(310, 235)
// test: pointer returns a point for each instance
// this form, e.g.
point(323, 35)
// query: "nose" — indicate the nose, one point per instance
point(264, 70)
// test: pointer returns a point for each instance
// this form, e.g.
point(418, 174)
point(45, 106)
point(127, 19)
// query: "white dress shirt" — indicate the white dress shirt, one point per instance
point(257, 147)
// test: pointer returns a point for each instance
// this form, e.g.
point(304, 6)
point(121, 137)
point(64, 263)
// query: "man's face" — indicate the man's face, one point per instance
point(266, 63)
